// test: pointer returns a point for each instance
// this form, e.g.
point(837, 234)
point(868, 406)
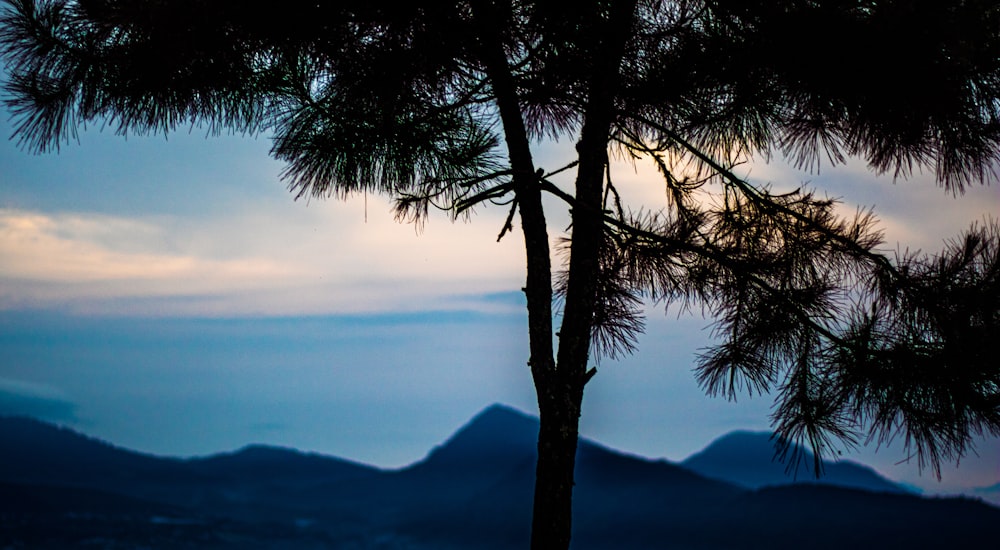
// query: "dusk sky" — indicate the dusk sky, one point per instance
point(170, 296)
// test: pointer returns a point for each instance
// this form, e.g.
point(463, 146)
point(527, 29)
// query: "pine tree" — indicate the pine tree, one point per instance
point(439, 105)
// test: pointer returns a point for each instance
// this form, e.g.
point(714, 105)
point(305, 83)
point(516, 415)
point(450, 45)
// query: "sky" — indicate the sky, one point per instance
point(168, 295)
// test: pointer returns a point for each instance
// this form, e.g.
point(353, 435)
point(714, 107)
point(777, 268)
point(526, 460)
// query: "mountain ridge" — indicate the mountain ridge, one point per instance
point(472, 491)
point(749, 459)
point(519, 435)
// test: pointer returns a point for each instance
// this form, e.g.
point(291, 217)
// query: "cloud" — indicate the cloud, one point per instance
point(75, 248)
point(19, 398)
point(59, 259)
point(252, 250)
point(913, 213)
point(257, 259)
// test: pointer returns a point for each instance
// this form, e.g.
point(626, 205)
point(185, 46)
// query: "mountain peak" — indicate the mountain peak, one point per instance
point(748, 458)
point(500, 413)
point(497, 433)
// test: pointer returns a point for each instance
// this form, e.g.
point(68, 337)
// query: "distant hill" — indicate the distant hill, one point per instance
point(483, 478)
point(37, 452)
point(263, 465)
point(498, 434)
point(748, 459)
point(61, 489)
point(990, 494)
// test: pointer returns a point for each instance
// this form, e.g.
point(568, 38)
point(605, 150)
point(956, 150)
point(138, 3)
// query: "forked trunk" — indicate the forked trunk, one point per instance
point(559, 380)
point(560, 392)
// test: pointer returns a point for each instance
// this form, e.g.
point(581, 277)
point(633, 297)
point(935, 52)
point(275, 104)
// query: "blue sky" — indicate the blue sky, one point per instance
point(169, 295)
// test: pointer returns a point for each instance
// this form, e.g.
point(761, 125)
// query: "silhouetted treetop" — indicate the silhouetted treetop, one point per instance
point(904, 87)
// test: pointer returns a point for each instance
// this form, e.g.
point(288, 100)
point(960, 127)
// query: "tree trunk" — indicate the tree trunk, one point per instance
point(559, 413)
point(560, 396)
point(559, 388)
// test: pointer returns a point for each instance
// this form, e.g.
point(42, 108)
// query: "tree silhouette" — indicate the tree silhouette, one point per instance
point(439, 105)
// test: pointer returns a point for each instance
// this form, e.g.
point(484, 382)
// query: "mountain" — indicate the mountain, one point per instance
point(989, 494)
point(254, 484)
point(60, 489)
point(40, 453)
point(37, 452)
point(498, 434)
point(748, 459)
point(264, 462)
point(482, 479)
